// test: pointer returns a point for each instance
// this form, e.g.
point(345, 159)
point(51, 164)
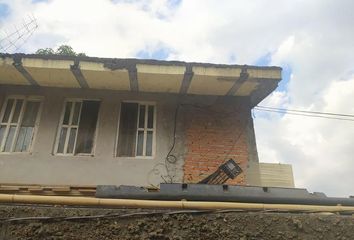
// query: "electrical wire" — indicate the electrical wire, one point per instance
point(172, 159)
point(169, 159)
point(169, 155)
point(304, 111)
point(151, 214)
point(103, 216)
point(301, 114)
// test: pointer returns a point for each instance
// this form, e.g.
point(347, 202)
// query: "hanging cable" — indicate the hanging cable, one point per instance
point(302, 114)
point(304, 111)
point(170, 157)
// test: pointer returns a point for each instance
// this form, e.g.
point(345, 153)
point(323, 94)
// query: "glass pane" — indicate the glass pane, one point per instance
point(127, 130)
point(149, 143)
point(151, 117)
point(139, 147)
point(7, 113)
point(9, 139)
point(20, 139)
point(18, 107)
point(76, 114)
point(24, 139)
point(142, 116)
point(71, 142)
point(30, 115)
point(62, 140)
point(87, 126)
point(2, 132)
point(67, 112)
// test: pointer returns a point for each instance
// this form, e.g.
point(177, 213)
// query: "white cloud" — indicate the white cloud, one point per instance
point(313, 38)
point(320, 150)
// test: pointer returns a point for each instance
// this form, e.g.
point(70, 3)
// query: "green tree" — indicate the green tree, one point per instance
point(45, 51)
point(63, 50)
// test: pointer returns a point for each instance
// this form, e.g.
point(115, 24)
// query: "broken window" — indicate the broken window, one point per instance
point(18, 124)
point(136, 130)
point(78, 127)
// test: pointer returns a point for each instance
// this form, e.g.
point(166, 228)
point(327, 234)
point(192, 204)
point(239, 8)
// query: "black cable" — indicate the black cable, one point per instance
point(155, 213)
point(105, 216)
point(169, 159)
point(303, 111)
point(169, 155)
point(305, 115)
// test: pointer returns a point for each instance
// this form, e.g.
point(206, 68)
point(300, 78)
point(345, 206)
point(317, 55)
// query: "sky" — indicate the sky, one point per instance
point(312, 40)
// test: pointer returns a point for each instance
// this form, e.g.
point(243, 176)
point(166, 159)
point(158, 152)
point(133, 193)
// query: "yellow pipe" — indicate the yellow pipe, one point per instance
point(133, 203)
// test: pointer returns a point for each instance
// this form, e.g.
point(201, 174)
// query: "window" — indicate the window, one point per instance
point(19, 119)
point(137, 130)
point(78, 127)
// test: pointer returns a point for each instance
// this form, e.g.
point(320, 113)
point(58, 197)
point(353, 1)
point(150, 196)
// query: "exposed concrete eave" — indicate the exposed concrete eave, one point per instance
point(139, 75)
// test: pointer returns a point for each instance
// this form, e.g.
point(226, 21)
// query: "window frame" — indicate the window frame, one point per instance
point(25, 98)
point(154, 130)
point(60, 126)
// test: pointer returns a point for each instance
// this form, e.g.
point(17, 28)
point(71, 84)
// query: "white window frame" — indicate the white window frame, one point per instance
point(70, 126)
point(145, 129)
point(19, 123)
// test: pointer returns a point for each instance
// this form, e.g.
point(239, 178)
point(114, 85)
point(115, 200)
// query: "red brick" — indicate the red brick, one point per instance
point(212, 139)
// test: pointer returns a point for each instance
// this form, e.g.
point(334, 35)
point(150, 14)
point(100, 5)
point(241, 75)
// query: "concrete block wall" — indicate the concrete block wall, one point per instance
point(210, 130)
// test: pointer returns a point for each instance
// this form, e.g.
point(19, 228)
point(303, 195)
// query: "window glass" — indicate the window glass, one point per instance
point(67, 113)
point(78, 128)
point(71, 142)
point(127, 129)
point(17, 111)
point(25, 135)
point(87, 126)
point(149, 143)
point(136, 130)
point(62, 139)
point(76, 114)
point(140, 144)
point(2, 132)
point(151, 117)
point(18, 125)
point(10, 137)
point(24, 139)
point(30, 115)
point(8, 109)
point(142, 117)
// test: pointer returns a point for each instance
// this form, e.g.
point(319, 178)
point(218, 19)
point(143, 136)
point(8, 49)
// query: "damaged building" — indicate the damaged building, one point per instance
point(89, 121)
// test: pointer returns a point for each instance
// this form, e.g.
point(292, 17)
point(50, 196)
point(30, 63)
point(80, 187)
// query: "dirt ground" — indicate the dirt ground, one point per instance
point(167, 224)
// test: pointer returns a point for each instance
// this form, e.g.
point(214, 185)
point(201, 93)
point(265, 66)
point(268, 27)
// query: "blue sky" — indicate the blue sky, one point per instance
point(4, 10)
point(159, 54)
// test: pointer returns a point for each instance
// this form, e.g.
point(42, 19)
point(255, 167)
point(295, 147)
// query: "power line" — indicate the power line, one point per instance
point(301, 114)
point(303, 111)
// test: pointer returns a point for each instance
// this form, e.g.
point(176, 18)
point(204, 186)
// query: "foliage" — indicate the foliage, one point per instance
point(45, 51)
point(63, 50)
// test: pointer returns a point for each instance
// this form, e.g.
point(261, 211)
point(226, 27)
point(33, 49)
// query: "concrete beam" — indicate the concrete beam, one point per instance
point(75, 69)
point(18, 65)
point(133, 78)
point(243, 78)
point(187, 79)
point(263, 91)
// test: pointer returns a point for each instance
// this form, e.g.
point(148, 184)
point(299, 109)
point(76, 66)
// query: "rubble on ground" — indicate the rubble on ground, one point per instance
point(157, 225)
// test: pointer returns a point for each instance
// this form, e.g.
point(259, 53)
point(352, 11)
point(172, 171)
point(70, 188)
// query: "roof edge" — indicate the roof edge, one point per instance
point(131, 61)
